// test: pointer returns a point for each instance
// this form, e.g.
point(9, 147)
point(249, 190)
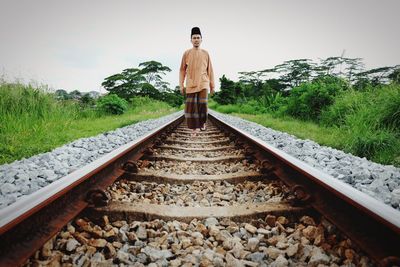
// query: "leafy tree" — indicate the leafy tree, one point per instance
point(75, 94)
point(125, 84)
point(61, 94)
point(152, 71)
point(136, 81)
point(87, 100)
point(149, 90)
point(395, 75)
point(295, 72)
point(227, 94)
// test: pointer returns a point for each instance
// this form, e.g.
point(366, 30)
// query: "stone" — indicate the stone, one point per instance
point(232, 261)
point(264, 232)
point(280, 261)
point(186, 242)
point(273, 252)
point(98, 243)
point(156, 254)
point(176, 262)
point(72, 244)
point(349, 254)
point(141, 232)
point(123, 256)
point(213, 230)
point(252, 244)
point(237, 250)
point(292, 249)
point(202, 229)
point(223, 235)
point(310, 232)
point(282, 245)
point(250, 228)
point(318, 257)
point(110, 250)
point(218, 262)
point(210, 221)
point(229, 243)
point(8, 188)
point(282, 220)
point(307, 220)
point(256, 257)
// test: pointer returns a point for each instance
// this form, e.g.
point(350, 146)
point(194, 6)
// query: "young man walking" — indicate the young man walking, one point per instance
point(196, 67)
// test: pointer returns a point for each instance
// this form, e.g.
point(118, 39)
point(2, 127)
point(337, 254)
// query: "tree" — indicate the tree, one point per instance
point(227, 93)
point(130, 82)
point(151, 71)
point(395, 75)
point(295, 71)
point(75, 94)
point(126, 84)
point(61, 94)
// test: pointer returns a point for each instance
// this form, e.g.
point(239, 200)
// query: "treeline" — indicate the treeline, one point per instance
point(335, 92)
point(146, 80)
point(346, 72)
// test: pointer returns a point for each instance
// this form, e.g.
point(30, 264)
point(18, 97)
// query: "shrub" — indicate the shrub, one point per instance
point(309, 99)
point(112, 104)
point(344, 104)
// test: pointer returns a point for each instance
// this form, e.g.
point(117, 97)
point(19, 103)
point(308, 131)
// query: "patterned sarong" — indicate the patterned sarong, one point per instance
point(196, 109)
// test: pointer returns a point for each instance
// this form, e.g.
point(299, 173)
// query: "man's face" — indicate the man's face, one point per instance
point(196, 40)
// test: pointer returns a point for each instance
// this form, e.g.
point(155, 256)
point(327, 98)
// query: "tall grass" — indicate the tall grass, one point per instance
point(32, 121)
point(365, 123)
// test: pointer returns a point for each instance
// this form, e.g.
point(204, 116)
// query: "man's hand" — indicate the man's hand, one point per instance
point(183, 89)
point(212, 91)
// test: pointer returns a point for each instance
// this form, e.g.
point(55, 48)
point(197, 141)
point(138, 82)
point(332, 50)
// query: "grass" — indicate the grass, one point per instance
point(364, 129)
point(32, 121)
point(305, 130)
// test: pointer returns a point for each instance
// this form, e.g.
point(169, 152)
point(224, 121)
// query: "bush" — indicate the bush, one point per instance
point(112, 104)
point(309, 99)
point(344, 105)
point(378, 106)
point(252, 107)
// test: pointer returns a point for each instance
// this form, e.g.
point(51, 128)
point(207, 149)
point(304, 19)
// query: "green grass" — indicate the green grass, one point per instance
point(305, 130)
point(358, 131)
point(32, 121)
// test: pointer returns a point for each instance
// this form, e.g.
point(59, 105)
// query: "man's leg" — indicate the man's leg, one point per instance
point(203, 109)
point(191, 112)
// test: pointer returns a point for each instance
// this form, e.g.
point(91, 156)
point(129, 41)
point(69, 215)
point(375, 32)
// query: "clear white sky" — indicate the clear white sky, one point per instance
point(76, 44)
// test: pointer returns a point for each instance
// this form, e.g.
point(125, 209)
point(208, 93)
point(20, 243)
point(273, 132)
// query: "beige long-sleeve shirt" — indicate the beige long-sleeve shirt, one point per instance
point(197, 68)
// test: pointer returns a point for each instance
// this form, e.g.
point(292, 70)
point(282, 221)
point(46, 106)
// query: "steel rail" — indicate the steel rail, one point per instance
point(373, 225)
point(28, 223)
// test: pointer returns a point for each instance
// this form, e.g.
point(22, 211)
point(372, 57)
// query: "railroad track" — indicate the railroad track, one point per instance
point(221, 198)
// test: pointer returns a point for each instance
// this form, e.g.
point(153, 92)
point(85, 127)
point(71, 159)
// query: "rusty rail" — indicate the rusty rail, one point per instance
point(27, 224)
point(374, 226)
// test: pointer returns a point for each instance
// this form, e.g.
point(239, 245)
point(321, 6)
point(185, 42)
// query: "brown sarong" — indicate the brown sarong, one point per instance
point(196, 109)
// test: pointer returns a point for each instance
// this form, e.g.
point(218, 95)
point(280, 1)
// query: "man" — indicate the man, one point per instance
point(196, 64)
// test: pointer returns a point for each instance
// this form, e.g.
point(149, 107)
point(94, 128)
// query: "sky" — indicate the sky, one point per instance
point(74, 45)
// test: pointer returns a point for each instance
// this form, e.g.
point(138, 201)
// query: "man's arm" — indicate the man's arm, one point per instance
point(182, 72)
point(210, 73)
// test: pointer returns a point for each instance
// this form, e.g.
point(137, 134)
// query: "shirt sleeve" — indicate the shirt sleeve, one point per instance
point(210, 73)
point(182, 70)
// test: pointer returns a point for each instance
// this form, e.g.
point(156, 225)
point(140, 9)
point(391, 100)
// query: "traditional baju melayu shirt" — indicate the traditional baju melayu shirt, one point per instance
point(196, 67)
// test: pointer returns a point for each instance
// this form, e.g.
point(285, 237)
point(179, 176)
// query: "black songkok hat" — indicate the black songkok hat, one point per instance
point(195, 30)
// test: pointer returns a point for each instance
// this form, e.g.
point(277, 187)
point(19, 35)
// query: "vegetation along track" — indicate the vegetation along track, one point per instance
point(221, 198)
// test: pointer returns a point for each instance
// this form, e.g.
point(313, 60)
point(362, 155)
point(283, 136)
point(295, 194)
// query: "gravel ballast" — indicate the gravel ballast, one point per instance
point(23, 177)
point(382, 182)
